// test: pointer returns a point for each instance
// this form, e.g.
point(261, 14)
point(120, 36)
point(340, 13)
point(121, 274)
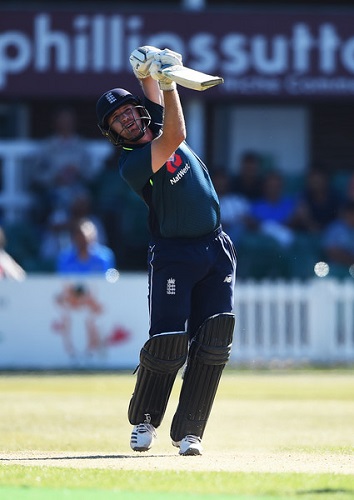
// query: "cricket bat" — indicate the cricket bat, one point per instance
point(191, 78)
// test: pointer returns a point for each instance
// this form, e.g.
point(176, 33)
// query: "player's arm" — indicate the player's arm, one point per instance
point(173, 131)
point(174, 128)
point(147, 62)
point(152, 90)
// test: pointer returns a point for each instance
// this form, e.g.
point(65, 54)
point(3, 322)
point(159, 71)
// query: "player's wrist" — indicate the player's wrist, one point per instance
point(167, 86)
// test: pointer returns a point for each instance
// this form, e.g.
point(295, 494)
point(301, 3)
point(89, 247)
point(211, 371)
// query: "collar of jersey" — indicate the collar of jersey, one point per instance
point(131, 147)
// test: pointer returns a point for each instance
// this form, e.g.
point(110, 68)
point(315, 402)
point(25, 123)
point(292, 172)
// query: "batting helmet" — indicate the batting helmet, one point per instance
point(109, 102)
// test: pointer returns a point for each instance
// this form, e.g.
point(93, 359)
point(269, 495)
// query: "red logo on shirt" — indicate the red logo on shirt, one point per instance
point(173, 163)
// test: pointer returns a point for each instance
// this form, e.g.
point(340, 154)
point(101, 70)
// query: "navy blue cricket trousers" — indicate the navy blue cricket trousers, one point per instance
point(190, 279)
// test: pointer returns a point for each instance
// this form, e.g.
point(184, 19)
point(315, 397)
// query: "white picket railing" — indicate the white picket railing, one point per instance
point(294, 323)
point(277, 324)
point(15, 171)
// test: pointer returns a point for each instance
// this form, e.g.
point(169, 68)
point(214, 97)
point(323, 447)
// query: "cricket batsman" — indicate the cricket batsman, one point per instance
point(191, 261)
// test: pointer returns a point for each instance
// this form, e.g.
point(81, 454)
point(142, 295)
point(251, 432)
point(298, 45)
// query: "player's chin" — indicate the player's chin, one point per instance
point(133, 134)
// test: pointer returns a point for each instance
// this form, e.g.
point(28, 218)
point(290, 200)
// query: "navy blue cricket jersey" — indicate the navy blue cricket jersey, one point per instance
point(181, 198)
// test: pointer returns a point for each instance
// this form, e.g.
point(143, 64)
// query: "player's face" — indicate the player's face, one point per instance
point(126, 121)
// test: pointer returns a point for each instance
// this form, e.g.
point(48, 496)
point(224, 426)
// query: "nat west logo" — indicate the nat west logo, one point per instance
point(256, 53)
point(180, 174)
point(173, 163)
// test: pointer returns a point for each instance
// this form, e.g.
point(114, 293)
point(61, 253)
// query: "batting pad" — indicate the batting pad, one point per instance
point(208, 354)
point(160, 359)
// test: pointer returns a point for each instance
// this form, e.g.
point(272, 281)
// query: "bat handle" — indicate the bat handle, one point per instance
point(165, 66)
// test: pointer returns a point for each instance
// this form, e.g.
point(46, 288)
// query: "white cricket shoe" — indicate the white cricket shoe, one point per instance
point(189, 445)
point(143, 437)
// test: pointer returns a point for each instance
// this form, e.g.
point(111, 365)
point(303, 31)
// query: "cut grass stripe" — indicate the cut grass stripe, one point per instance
point(191, 484)
point(24, 493)
point(84, 494)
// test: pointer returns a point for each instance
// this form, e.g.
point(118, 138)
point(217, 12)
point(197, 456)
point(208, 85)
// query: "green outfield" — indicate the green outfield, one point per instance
point(272, 435)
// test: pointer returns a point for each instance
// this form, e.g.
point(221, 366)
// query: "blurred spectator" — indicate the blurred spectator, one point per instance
point(275, 212)
point(82, 206)
point(56, 232)
point(248, 180)
point(55, 237)
point(9, 268)
point(123, 214)
point(319, 203)
point(62, 168)
point(85, 255)
point(234, 208)
point(273, 247)
point(349, 191)
point(110, 198)
point(338, 242)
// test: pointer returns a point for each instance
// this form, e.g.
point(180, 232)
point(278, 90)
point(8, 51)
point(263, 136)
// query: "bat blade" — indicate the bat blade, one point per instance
point(191, 78)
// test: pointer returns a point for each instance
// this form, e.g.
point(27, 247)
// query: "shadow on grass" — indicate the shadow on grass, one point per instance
point(321, 491)
point(80, 457)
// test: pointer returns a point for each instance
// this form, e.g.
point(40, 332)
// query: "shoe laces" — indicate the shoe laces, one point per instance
point(145, 427)
point(192, 439)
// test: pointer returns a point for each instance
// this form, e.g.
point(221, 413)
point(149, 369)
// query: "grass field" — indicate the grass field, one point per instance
point(271, 435)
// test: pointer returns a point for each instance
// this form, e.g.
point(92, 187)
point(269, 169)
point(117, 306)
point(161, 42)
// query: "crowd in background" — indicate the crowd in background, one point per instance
point(84, 220)
point(282, 225)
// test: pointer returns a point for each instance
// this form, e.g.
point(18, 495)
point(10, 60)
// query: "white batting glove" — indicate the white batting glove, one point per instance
point(141, 59)
point(168, 57)
point(165, 83)
point(163, 59)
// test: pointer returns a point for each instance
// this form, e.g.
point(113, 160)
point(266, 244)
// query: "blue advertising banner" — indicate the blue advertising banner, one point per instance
point(77, 53)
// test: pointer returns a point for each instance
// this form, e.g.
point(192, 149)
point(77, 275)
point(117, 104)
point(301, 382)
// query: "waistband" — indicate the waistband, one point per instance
point(198, 239)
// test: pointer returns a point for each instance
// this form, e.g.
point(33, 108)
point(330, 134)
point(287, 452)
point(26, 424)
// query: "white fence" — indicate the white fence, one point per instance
point(50, 322)
point(295, 323)
point(16, 157)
